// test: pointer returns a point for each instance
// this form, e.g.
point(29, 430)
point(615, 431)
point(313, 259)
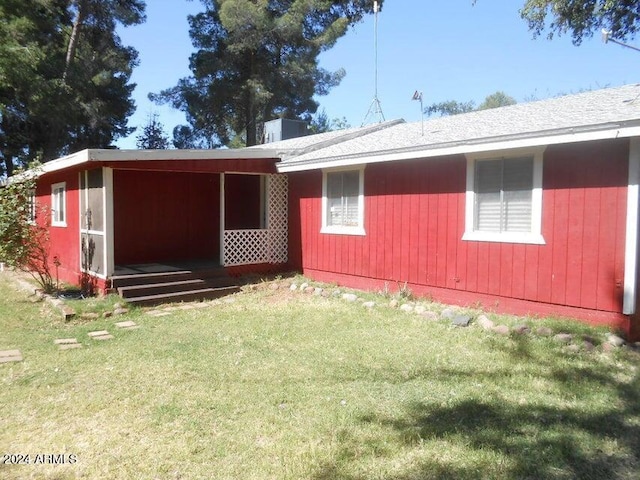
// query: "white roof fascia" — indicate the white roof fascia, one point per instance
point(113, 155)
point(463, 148)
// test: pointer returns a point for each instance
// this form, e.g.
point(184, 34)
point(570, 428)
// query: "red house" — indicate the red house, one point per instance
point(531, 208)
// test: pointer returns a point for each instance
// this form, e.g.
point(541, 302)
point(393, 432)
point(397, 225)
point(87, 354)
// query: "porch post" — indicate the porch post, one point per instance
point(222, 223)
point(631, 240)
point(109, 262)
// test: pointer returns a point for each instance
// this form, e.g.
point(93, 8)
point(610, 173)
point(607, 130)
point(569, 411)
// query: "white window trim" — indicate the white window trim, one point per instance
point(54, 187)
point(338, 229)
point(535, 235)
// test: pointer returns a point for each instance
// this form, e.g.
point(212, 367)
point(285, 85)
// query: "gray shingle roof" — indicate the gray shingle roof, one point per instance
point(593, 111)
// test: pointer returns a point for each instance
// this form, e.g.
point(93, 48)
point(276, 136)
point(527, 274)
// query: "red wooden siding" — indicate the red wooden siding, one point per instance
point(63, 241)
point(164, 216)
point(414, 222)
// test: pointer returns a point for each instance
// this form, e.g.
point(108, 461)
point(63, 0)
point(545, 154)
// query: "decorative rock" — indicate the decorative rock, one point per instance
point(615, 340)
point(573, 348)
point(318, 291)
point(293, 287)
point(393, 303)
point(325, 294)
point(349, 297)
point(118, 305)
point(544, 331)
point(521, 329)
point(122, 311)
point(107, 314)
point(484, 322)
point(420, 309)
point(336, 292)
point(274, 286)
point(406, 307)
point(501, 330)
point(369, 304)
point(563, 337)
point(309, 289)
point(607, 347)
point(588, 346)
point(461, 320)
point(10, 356)
point(431, 316)
point(304, 286)
point(89, 316)
point(448, 313)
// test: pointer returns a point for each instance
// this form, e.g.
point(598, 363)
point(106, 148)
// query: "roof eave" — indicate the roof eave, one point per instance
point(464, 147)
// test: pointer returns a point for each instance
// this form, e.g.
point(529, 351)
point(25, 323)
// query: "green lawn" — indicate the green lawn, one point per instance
point(286, 385)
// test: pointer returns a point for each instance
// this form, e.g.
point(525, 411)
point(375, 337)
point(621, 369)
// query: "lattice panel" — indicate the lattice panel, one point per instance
point(269, 245)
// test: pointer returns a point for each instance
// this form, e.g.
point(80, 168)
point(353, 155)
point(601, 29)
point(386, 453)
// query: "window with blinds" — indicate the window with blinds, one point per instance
point(342, 202)
point(503, 195)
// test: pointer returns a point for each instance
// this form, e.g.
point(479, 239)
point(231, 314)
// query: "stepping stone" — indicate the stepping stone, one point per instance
point(10, 356)
point(157, 313)
point(100, 335)
point(128, 325)
point(69, 346)
point(65, 341)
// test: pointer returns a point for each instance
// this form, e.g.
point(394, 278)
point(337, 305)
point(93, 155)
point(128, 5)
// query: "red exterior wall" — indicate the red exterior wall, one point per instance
point(414, 222)
point(165, 216)
point(63, 241)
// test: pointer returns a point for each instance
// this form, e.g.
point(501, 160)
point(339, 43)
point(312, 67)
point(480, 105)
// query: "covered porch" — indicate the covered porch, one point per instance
point(140, 215)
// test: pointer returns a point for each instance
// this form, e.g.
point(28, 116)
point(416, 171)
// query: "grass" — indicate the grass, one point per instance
point(283, 385)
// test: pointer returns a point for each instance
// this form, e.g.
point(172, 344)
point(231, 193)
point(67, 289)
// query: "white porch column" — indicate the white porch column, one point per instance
point(222, 223)
point(109, 253)
point(631, 241)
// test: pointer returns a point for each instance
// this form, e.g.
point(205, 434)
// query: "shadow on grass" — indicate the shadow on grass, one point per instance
point(535, 439)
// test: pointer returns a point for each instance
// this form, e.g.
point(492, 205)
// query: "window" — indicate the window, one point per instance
point(343, 202)
point(504, 198)
point(58, 205)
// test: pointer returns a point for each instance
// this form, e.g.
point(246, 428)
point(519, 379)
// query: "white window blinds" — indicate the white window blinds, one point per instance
point(343, 190)
point(503, 195)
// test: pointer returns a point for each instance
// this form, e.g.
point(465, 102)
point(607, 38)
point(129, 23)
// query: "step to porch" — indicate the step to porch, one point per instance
point(174, 286)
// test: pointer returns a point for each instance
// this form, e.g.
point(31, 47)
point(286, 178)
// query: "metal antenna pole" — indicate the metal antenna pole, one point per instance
point(375, 108)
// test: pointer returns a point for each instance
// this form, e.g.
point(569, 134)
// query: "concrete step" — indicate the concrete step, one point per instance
point(184, 296)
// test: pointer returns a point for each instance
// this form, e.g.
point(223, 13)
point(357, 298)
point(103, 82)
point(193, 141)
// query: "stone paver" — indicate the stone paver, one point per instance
point(65, 341)
point(10, 356)
point(69, 346)
point(158, 313)
point(128, 325)
point(100, 335)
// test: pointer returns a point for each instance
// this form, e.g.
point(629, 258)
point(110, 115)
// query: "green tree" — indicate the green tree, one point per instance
point(495, 100)
point(256, 60)
point(320, 123)
point(449, 107)
point(24, 240)
point(153, 136)
point(452, 107)
point(582, 18)
point(64, 76)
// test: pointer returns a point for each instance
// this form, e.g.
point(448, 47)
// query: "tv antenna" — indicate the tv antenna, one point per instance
point(375, 109)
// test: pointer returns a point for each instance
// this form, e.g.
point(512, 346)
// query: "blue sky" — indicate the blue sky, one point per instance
point(449, 50)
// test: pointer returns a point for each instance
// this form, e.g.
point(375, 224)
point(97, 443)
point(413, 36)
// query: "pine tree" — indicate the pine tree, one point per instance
point(258, 60)
point(153, 136)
